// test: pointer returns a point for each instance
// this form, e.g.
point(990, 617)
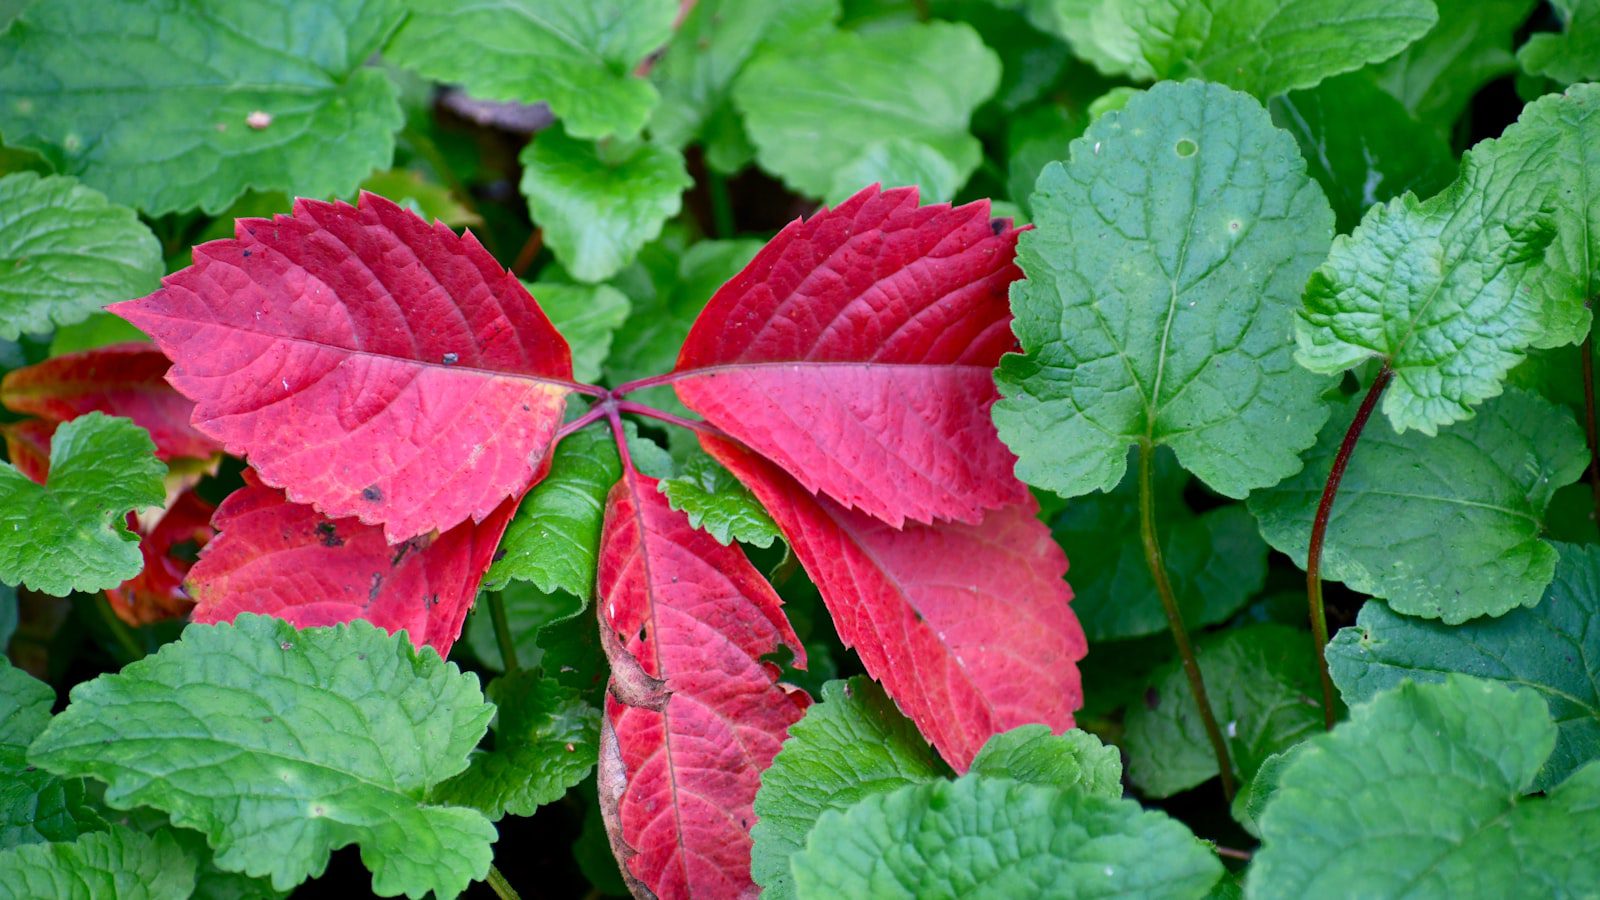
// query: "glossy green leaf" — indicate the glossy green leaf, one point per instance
point(555, 537)
point(715, 501)
point(577, 57)
point(1443, 528)
point(283, 745)
point(120, 863)
point(1573, 54)
point(1168, 257)
point(209, 101)
point(70, 533)
point(1074, 761)
point(1420, 794)
point(65, 251)
point(587, 316)
point(1436, 77)
point(35, 806)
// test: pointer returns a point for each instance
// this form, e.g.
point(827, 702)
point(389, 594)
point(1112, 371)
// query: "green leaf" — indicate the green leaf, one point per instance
point(715, 501)
point(546, 739)
point(1572, 55)
point(100, 329)
point(120, 863)
point(66, 251)
point(554, 539)
point(284, 745)
point(1265, 693)
point(833, 116)
point(587, 315)
point(598, 209)
point(1552, 650)
point(428, 199)
point(1074, 761)
point(70, 534)
point(167, 106)
point(1437, 76)
point(577, 57)
point(35, 806)
point(1166, 213)
point(1216, 560)
point(1035, 139)
point(1362, 145)
point(1419, 794)
point(528, 611)
point(851, 745)
point(1451, 291)
point(1446, 527)
point(996, 837)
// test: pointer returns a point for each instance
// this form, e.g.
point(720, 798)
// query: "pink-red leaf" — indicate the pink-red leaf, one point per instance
point(968, 627)
point(857, 352)
point(693, 715)
point(283, 559)
point(157, 592)
point(369, 363)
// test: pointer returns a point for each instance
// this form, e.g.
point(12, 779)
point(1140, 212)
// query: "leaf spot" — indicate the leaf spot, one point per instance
point(258, 119)
point(371, 494)
point(1186, 148)
point(450, 359)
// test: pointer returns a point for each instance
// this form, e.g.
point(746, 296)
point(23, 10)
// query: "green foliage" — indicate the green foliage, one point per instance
point(1574, 54)
point(553, 541)
point(35, 806)
point(119, 863)
point(715, 501)
point(1436, 77)
point(1074, 761)
point(587, 316)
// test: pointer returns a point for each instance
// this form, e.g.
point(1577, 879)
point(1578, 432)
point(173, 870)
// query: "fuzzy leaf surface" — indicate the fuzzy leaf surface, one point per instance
point(856, 351)
point(715, 501)
point(1159, 297)
point(176, 131)
point(68, 534)
point(1571, 55)
point(968, 627)
point(375, 365)
point(65, 251)
point(35, 806)
point(1445, 527)
point(120, 863)
point(283, 745)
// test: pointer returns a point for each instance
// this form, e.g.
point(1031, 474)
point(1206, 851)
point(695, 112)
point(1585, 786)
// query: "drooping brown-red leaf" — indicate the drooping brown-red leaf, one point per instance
point(28, 446)
point(968, 627)
point(857, 352)
point(283, 559)
point(693, 715)
point(168, 547)
point(365, 361)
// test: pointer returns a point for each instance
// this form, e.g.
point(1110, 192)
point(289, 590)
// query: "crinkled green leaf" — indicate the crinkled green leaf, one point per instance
point(833, 116)
point(996, 837)
point(587, 315)
point(35, 806)
point(577, 57)
point(1436, 77)
point(1075, 761)
point(546, 739)
point(1168, 257)
point(1215, 560)
point(1573, 54)
point(166, 105)
point(555, 537)
point(1445, 527)
point(717, 502)
point(1552, 649)
point(1265, 693)
point(120, 863)
point(284, 745)
point(70, 534)
point(597, 209)
point(1420, 794)
point(1453, 289)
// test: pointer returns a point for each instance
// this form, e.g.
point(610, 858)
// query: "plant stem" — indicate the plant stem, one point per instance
point(650, 412)
point(1319, 533)
point(721, 205)
point(502, 632)
point(529, 252)
point(501, 887)
point(1589, 421)
point(1169, 603)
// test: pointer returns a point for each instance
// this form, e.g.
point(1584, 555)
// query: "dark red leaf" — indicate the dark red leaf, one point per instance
point(284, 559)
point(28, 446)
point(168, 546)
point(968, 627)
point(857, 352)
point(369, 363)
point(693, 715)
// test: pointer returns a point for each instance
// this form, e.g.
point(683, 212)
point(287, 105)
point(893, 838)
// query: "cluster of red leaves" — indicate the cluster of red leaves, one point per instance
point(397, 392)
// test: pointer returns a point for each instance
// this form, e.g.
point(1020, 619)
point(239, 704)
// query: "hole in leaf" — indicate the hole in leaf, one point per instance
point(1186, 148)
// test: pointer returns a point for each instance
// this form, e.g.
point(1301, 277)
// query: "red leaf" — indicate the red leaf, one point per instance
point(119, 380)
point(284, 559)
point(693, 715)
point(368, 362)
point(967, 626)
point(28, 446)
point(157, 593)
point(857, 350)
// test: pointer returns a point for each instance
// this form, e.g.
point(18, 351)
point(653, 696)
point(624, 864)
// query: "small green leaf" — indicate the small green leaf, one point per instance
point(833, 116)
point(577, 57)
point(35, 806)
point(120, 863)
point(587, 315)
point(1165, 214)
point(1074, 761)
point(598, 210)
point(65, 251)
point(715, 501)
point(528, 611)
point(283, 745)
point(1552, 650)
point(555, 537)
point(70, 534)
point(428, 199)
point(1436, 77)
point(167, 106)
point(1420, 794)
point(1573, 55)
point(1446, 527)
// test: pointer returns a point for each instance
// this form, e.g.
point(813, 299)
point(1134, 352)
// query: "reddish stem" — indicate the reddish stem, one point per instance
point(639, 384)
point(650, 412)
point(609, 409)
point(528, 253)
point(595, 413)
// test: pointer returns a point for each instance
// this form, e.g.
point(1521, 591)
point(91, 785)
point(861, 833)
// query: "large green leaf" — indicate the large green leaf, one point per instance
point(121, 863)
point(1437, 76)
point(1169, 255)
point(169, 105)
point(833, 116)
point(284, 745)
point(1572, 55)
point(587, 315)
point(1552, 649)
point(555, 538)
point(65, 251)
point(1420, 794)
point(717, 502)
point(35, 806)
point(577, 57)
point(70, 534)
